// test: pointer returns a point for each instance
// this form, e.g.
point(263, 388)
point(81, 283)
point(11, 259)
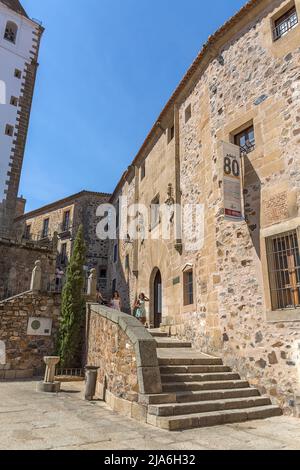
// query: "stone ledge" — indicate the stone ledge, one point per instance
point(144, 344)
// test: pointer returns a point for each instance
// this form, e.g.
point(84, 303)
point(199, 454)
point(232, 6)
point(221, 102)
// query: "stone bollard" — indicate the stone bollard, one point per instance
point(90, 382)
point(36, 278)
point(49, 385)
point(92, 284)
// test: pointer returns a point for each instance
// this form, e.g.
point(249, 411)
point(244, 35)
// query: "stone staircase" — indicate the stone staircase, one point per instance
point(199, 391)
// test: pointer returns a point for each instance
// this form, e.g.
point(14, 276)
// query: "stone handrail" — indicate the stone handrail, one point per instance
point(148, 372)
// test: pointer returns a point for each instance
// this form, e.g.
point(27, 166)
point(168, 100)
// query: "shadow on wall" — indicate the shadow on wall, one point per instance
point(252, 198)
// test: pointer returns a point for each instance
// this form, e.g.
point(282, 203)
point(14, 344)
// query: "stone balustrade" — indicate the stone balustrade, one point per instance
point(125, 353)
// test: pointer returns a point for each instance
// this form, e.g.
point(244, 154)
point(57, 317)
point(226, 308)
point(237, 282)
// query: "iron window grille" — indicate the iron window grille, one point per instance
point(284, 270)
point(11, 33)
point(285, 23)
point(246, 140)
point(188, 288)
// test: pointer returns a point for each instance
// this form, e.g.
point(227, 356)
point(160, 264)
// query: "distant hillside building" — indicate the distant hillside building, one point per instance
point(19, 47)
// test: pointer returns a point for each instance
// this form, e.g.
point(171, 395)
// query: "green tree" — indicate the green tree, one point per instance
point(70, 338)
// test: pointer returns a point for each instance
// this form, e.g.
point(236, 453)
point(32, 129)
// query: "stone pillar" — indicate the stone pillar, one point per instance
point(92, 284)
point(36, 278)
point(49, 385)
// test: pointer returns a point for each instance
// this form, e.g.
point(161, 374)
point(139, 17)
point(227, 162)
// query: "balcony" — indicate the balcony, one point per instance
point(64, 230)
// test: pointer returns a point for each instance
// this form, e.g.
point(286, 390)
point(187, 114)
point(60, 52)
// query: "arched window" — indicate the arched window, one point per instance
point(11, 32)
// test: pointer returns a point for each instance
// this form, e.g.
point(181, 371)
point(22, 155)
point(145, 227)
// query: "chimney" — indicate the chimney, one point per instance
point(20, 208)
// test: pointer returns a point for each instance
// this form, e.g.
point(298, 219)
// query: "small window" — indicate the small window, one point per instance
point(14, 101)
point(116, 253)
point(45, 231)
point(66, 221)
point(18, 73)
point(155, 212)
point(9, 130)
point(143, 171)
point(27, 233)
point(118, 214)
point(171, 134)
point(11, 32)
point(246, 140)
point(188, 113)
point(188, 287)
point(285, 23)
point(284, 270)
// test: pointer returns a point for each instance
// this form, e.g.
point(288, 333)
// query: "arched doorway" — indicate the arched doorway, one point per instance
point(156, 289)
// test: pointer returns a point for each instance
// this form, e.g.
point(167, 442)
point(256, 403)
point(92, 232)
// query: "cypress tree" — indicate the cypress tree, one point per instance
point(70, 338)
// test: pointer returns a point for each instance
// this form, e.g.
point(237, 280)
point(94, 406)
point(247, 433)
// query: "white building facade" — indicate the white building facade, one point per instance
point(19, 46)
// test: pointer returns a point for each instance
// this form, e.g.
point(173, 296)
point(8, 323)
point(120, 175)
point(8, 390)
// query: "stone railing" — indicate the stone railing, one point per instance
point(125, 353)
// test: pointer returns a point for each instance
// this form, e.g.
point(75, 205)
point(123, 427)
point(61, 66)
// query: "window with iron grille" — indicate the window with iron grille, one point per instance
point(285, 23)
point(284, 270)
point(45, 231)
point(11, 32)
point(246, 140)
point(188, 288)
point(66, 221)
point(27, 234)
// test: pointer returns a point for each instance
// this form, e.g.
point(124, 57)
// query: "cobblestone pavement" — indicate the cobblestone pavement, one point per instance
point(31, 420)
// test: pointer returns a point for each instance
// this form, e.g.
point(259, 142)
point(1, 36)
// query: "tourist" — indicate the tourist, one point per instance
point(116, 301)
point(140, 308)
point(100, 299)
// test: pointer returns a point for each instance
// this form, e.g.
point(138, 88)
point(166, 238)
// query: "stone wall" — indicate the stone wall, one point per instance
point(24, 354)
point(16, 264)
point(124, 352)
point(111, 351)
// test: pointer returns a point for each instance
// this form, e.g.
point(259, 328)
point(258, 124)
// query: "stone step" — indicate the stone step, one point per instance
point(175, 409)
point(199, 420)
point(206, 395)
point(158, 334)
point(197, 396)
point(207, 377)
point(188, 361)
point(194, 386)
point(193, 369)
point(172, 343)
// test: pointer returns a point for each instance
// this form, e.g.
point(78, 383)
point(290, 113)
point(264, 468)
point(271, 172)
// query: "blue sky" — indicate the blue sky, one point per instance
point(107, 67)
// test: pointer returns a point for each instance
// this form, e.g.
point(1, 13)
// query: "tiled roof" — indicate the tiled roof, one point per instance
point(15, 5)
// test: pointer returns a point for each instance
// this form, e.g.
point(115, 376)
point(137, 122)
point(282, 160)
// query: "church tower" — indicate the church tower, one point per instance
point(19, 47)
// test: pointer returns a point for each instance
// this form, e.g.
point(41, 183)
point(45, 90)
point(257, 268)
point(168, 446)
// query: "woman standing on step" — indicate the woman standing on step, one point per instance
point(140, 308)
point(116, 301)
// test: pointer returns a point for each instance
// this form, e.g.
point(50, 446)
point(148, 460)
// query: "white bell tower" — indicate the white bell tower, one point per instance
point(19, 46)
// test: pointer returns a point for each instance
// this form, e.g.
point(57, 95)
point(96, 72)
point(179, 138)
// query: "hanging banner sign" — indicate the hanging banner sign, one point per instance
point(232, 181)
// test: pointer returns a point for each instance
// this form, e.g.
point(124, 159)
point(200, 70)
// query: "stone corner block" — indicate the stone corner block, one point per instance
point(146, 353)
point(149, 380)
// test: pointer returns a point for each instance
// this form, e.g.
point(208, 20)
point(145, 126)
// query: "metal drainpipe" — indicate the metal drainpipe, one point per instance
point(178, 241)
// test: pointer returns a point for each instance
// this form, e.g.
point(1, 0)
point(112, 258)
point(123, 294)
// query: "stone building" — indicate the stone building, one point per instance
point(19, 48)
point(61, 220)
point(227, 143)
